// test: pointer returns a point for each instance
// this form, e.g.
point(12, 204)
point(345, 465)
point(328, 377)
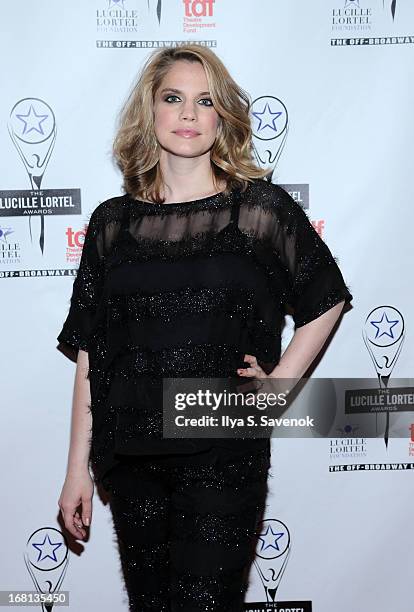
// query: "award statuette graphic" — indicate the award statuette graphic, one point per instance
point(32, 128)
point(158, 9)
point(46, 559)
point(272, 555)
point(269, 118)
point(120, 4)
point(393, 6)
point(4, 232)
point(383, 335)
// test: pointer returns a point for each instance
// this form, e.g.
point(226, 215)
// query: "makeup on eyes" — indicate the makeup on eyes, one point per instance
point(165, 99)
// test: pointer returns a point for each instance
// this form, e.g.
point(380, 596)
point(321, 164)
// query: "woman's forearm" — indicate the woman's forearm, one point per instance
point(306, 344)
point(81, 426)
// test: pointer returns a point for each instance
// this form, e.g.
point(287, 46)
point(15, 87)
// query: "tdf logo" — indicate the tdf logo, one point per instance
point(75, 238)
point(198, 8)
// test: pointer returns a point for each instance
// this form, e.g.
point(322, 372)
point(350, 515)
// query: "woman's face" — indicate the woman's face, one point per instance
point(185, 120)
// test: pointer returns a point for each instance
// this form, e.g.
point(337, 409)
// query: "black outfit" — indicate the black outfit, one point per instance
point(186, 525)
point(185, 290)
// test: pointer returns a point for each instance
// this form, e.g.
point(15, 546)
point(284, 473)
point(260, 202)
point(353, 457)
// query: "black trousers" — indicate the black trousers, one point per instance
point(186, 527)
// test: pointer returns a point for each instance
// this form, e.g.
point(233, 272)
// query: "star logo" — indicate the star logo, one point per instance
point(47, 549)
point(32, 121)
point(116, 4)
point(4, 232)
point(273, 540)
point(269, 118)
point(384, 328)
point(269, 539)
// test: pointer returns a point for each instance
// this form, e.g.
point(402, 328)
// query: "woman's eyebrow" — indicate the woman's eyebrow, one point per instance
point(202, 93)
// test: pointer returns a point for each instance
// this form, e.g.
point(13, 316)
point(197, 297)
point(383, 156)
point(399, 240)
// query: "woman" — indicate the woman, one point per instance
point(186, 275)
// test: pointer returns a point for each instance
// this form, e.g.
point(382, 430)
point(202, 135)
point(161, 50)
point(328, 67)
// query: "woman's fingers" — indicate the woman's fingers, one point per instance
point(251, 359)
point(86, 511)
point(77, 526)
point(75, 502)
point(253, 370)
point(73, 522)
point(77, 521)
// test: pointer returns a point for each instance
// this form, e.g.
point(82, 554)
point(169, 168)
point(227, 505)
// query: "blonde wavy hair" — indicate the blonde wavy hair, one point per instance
point(136, 149)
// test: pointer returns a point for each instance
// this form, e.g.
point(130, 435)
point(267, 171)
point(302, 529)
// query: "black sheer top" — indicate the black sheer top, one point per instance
point(185, 290)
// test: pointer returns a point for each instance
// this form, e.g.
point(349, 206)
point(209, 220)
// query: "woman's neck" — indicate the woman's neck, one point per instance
point(188, 179)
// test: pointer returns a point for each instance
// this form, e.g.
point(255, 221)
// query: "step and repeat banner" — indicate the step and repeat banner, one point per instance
point(332, 89)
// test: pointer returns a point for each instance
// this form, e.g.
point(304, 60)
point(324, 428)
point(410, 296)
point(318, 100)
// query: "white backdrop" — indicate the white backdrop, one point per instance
point(341, 74)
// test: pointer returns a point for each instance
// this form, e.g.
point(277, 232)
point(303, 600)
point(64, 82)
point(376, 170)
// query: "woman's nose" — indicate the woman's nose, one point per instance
point(188, 112)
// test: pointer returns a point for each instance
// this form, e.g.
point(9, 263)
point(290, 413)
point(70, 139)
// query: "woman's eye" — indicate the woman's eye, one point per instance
point(210, 102)
point(167, 99)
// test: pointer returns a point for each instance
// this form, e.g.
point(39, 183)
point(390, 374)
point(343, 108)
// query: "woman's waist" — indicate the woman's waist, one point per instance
point(185, 360)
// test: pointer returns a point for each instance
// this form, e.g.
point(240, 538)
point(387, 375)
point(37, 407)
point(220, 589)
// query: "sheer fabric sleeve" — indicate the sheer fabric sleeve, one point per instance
point(316, 282)
point(86, 292)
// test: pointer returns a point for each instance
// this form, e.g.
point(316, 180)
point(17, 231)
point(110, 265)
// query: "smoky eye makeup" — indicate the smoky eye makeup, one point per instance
point(167, 96)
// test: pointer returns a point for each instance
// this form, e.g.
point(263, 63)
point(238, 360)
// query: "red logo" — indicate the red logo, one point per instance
point(76, 239)
point(319, 226)
point(198, 8)
point(74, 245)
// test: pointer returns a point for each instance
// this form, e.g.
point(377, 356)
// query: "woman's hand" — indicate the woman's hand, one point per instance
point(254, 369)
point(77, 490)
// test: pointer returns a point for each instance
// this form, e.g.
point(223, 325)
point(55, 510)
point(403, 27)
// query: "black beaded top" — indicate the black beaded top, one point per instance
point(185, 290)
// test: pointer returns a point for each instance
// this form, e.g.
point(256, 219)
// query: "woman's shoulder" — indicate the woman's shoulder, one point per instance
point(265, 192)
point(273, 200)
point(260, 194)
point(109, 210)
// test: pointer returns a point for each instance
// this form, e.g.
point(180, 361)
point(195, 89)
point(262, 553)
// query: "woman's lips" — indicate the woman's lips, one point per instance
point(187, 133)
